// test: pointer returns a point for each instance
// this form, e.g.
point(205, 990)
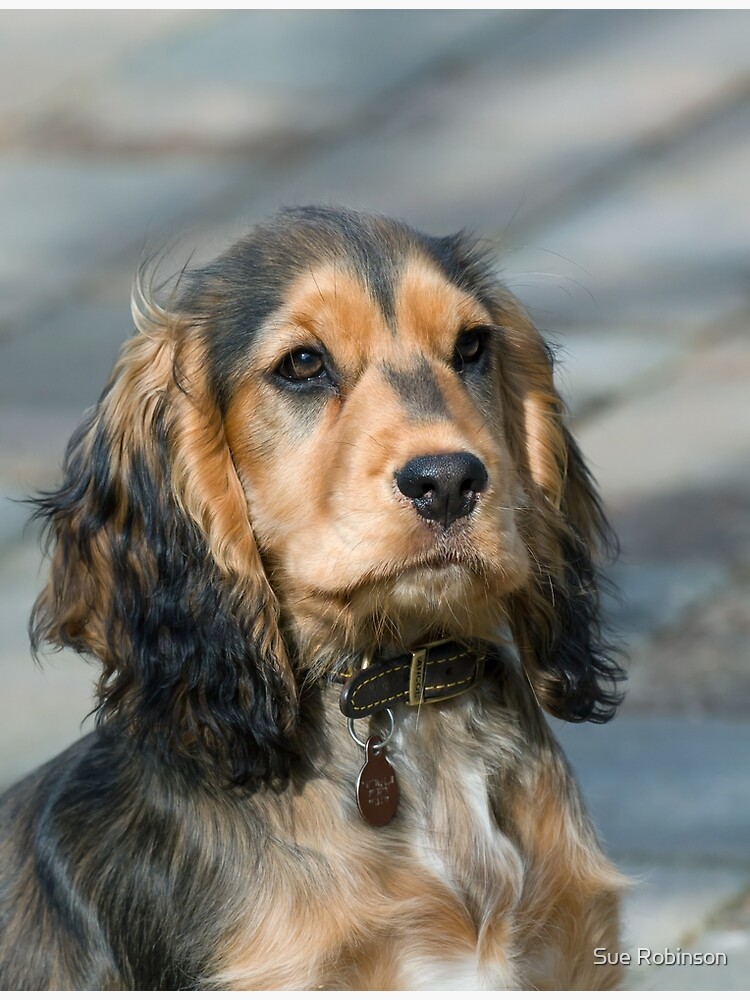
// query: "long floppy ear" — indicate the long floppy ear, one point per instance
point(556, 617)
point(155, 571)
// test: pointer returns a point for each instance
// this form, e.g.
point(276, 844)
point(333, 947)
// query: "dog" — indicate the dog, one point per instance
point(330, 540)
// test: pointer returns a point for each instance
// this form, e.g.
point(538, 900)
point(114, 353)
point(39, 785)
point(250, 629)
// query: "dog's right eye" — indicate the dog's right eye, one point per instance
point(302, 365)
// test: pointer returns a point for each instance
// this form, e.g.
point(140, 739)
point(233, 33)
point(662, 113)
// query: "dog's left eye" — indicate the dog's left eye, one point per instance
point(302, 365)
point(469, 348)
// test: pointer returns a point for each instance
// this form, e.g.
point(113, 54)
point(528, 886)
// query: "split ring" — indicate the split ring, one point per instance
point(377, 747)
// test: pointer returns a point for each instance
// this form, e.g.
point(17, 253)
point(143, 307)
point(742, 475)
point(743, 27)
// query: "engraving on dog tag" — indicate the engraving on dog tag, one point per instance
point(377, 787)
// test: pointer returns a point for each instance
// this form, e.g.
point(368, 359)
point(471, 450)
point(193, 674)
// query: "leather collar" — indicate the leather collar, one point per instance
point(434, 672)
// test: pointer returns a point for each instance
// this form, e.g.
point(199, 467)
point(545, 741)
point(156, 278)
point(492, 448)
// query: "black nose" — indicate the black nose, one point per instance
point(443, 487)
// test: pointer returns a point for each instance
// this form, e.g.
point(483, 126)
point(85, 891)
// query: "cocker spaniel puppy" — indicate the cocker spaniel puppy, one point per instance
point(333, 546)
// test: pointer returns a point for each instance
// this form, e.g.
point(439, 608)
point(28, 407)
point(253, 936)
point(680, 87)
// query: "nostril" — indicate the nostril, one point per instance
point(412, 484)
point(476, 475)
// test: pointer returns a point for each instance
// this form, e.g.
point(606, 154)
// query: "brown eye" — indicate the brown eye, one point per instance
point(302, 365)
point(469, 348)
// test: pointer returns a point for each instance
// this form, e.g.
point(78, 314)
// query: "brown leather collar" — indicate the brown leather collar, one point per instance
point(434, 672)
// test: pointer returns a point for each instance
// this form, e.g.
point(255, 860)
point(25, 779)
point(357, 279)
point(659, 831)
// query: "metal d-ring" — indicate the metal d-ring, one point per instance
point(376, 747)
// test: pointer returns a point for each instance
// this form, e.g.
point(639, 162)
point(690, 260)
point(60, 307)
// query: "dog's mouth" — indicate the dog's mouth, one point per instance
point(436, 576)
point(437, 596)
point(446, 563)
point(445, 553)
point(450, 579)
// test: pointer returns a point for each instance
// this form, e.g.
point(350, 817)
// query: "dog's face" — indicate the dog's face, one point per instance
point(372, 450)
point(343, 433)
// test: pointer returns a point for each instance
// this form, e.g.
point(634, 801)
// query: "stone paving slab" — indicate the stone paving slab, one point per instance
point(65, 360)
point(700, 664)
point(669, 798)
point(670, 36)
point(85, 214)
point(51, 56)
point(674, 466)
point(91, 203)
point(732, 975)
point(668, 901)
point(241, 80)
point(482, 121)
point(651, 595)
point(682, 228)
point(556, 39)
point(478, 124)
point(665, 789)
point(735, 975)
point(666, 908)
point(32, 445)
point(13, 515)
point(593, 367)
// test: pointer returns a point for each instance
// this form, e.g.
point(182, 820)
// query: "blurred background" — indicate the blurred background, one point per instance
point(608, 157)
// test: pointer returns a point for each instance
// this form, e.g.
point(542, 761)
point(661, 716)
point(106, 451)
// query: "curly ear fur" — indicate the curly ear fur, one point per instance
point(155, 571)
point(555, 619)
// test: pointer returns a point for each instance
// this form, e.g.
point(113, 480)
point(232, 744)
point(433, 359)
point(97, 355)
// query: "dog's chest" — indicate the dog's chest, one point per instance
point(424, 902)
point(455, 836)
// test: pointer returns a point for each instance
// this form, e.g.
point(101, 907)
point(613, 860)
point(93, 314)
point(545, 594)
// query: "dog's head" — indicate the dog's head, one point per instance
point(343, 433)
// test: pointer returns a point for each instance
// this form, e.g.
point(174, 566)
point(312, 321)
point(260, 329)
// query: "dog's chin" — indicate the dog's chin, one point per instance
point(432, 583)
point(440, 598)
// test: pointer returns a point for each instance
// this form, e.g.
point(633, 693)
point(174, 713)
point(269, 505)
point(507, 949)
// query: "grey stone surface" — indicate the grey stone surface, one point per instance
point(64, 361)
point(667, 249)
point(661, 453)
point(85, 214)
point(663, 789)
point(652, 595)
point(51, 56)
point(32, 445)
point(700, 663)
point(13, 515)
point(731, 973)
point(668, 900)
point(595, 367)
point(249, 78)
point(666, 907)
point(518, 125)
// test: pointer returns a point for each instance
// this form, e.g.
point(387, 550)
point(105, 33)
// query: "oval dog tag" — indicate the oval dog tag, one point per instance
point(377, 787)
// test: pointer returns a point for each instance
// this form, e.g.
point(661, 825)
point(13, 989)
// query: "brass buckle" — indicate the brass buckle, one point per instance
point(418, 671)
point(416, 676)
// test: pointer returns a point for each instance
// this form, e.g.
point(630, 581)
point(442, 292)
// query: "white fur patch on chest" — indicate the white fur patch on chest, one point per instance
point(429, 973)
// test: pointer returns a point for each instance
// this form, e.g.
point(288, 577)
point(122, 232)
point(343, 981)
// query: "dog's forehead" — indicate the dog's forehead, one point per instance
point(334, 304)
